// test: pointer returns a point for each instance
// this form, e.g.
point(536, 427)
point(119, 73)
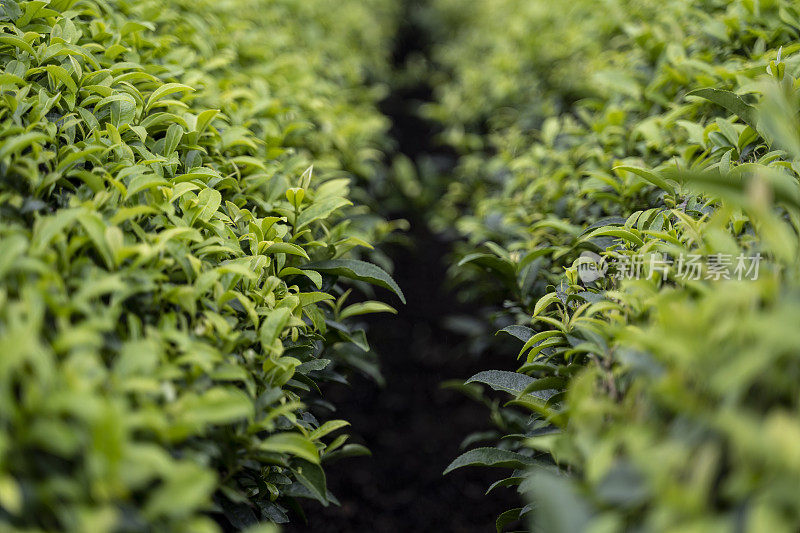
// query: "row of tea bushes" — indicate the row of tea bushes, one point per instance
point(628, 196)
point(173, 271)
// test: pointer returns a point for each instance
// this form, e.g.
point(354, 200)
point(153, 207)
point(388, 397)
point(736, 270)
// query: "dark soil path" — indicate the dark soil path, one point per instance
point(412, 426)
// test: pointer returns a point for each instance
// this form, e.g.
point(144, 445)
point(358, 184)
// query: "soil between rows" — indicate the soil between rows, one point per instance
point(412, 426)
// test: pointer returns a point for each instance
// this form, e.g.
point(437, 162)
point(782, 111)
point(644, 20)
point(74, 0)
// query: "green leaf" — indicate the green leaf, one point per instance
point(273, 325)
point(358, 270)
point(291, 443)
point(209, 201)
point(63, 76)
point(172, 139)
point(310, 366)
point(544, 302)
point(506, 518)
point(348, 450)
point(649, 176)
point(144, 182)
point(315, 277)
point(96, 227)
point(328, 427)
point(523, 333)
point(320, 210)
point(620, 233)
point(512, 481)
point(164, 91)
point(309, 298)
point(502, 380)
point(218, 405)
point(17, 42)
point(311, 475)
point(205, 118)
point(490, 457)
point(202, 173)
point(286, 248)
point(732, 102)
point(502, 266)
point(364, 308)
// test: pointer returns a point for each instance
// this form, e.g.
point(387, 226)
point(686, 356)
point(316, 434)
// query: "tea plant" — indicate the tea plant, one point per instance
point(632, 130)
point(174, 272)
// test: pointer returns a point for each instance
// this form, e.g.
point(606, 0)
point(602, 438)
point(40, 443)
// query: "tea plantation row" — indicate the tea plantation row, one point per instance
point(174, 272)
point(627, 194)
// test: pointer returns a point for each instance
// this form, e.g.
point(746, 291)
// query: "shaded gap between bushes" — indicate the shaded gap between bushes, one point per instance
point(411, 425)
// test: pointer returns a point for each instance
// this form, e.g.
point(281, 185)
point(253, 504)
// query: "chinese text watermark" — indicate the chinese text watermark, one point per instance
point(686, 267)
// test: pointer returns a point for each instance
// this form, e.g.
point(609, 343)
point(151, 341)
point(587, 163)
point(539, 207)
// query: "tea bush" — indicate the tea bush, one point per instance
point(174, 274)
point(646, 133)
